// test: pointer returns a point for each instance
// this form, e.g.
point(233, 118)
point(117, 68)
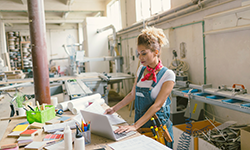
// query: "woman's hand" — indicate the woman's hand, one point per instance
point(109, 111)
point(125, 129)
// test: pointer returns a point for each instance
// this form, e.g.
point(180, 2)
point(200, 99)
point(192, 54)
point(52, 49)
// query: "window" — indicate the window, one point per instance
point(147, 8)
point(114, 13)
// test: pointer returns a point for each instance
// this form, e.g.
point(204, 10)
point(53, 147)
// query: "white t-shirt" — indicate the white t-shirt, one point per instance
point(169, 75)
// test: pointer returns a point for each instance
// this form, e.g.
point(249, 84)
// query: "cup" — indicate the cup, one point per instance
point(87, 136)
point(21, 112)
point(54, 101)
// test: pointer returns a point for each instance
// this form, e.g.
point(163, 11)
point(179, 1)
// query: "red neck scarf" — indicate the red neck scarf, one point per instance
point(152, 71)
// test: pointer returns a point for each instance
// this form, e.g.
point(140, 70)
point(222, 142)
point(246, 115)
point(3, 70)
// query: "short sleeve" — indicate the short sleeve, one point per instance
point(169, 76)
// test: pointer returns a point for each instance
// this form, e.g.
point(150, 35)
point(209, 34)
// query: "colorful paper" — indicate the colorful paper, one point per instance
point(21, 127)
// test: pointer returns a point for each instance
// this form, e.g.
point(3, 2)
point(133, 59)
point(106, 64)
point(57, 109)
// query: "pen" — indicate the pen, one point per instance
point(30, 107)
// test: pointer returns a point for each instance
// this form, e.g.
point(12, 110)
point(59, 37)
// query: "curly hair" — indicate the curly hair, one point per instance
point(152, 38)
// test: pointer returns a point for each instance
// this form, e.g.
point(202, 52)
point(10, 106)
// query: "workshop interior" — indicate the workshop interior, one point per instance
point(62, 59)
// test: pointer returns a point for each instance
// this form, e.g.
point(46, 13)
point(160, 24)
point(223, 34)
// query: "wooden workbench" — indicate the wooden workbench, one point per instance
point(96, 141)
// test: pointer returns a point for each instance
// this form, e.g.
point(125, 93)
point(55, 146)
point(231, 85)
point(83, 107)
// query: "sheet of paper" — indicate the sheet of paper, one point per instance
point(15, 133)
point(139, 143)
point(59, 126)
point(58, 146)
point(25, 138)
point(114, 120)
point(96, 108)
point(21, 127)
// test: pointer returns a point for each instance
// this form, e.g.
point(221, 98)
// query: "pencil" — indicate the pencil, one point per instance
point(78, 127)
point(38, 106)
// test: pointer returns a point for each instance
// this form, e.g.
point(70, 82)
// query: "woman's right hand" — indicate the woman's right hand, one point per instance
point(109, 111)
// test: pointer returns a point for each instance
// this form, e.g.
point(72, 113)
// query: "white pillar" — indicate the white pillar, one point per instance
point(3, 47)
point(80, 35)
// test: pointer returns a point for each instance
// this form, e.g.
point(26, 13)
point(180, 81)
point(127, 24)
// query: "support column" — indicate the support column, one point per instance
point(39, 50)
point(3, 46)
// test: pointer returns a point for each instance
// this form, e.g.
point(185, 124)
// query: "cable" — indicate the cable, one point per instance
point(185, 138)
point(178, 65)
point(8, 94)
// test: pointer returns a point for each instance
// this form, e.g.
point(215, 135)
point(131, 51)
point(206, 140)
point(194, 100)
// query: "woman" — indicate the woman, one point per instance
point(154, 83)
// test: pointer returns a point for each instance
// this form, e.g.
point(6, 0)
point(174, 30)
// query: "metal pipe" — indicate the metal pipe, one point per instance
point(182, 12)
point(39, 50)
point(173, 10)
point(114, 32)
point(50, 61)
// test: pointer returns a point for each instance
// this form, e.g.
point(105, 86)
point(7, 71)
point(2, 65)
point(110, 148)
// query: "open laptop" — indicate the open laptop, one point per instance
point(100, 125)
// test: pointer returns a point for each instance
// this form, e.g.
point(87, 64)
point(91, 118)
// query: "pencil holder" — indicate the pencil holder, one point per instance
point(87, 136)
point(41, 116)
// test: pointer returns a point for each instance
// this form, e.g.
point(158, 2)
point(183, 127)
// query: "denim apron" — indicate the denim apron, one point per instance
point(143, 101)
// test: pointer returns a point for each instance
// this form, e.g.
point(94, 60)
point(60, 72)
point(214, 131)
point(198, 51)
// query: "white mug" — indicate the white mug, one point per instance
point(54, 101)
point(21, 112)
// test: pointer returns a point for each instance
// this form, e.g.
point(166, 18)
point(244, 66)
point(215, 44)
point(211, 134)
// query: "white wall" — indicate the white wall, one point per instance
point(96, 44)
point(227, 54)
point(56, 36)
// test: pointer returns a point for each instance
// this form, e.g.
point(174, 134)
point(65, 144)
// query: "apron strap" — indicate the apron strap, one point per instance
point(141, 72)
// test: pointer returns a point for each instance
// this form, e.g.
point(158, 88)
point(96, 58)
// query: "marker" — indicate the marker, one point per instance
point(88, 126)
point(30, 107)
point(25, 109)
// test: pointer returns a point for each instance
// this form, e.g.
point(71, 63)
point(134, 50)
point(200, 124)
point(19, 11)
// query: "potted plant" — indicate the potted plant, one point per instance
point(19, 104)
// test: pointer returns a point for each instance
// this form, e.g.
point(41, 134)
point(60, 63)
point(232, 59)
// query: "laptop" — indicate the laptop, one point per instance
point(101, 126)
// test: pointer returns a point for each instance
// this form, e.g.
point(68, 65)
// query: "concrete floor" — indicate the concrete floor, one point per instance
point(5, 107)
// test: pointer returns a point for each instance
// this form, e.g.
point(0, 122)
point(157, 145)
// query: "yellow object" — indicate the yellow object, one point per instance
point(148, 132)
point(21, 127)
point(38, 106)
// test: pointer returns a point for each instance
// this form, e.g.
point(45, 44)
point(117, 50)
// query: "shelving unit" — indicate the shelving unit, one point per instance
point(13, 45)
point(26, 55)
point(19, 50)
point(205, 93)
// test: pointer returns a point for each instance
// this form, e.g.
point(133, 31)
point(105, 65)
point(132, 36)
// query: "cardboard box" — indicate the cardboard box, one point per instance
point(244, 137)
point(204, 145)
point(179, 129)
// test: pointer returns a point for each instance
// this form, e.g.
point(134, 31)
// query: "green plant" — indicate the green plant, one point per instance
point(19, 100)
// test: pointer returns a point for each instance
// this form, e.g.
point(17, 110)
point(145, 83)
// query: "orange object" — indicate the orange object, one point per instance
point(234, 85)
point(28, 132)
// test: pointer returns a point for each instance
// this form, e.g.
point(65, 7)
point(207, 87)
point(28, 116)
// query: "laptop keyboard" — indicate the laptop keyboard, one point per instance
point(117, 136)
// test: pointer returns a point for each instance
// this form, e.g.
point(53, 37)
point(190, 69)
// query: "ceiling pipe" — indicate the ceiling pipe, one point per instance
point(39, 50)
point(181, 12)
point(173, 10)
point(167, 16)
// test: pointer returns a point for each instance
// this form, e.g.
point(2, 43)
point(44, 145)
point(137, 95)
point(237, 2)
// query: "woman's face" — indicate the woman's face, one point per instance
point(146, 56)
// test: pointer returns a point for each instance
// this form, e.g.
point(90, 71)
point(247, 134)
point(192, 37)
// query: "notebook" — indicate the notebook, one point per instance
point(100, 125)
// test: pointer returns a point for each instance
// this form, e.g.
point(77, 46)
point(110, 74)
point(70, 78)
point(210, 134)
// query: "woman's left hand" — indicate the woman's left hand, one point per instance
point(125, 129)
